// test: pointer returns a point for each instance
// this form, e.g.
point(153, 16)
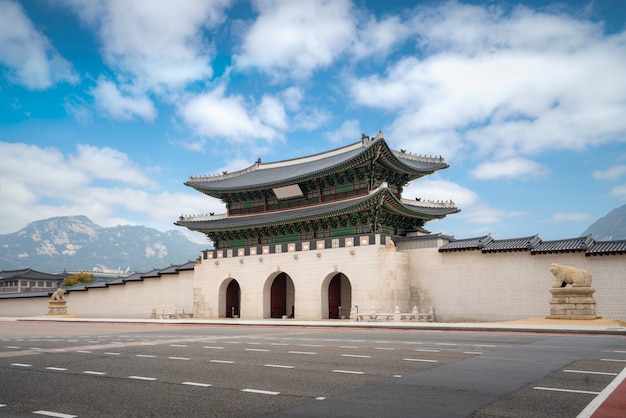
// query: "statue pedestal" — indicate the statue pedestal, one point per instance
point(57, 307)
point(572, 303)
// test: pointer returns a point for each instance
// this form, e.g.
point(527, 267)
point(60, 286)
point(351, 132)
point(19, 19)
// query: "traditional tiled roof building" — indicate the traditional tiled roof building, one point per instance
point(347, 202)
point(352, 190)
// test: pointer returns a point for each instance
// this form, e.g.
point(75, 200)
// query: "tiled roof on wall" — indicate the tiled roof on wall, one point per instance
point(607, 247)
point(564, 245)
point(466, 244)
point(514, 244)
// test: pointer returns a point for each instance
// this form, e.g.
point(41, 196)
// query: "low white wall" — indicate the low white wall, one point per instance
point(134, 299)
point(475, 286)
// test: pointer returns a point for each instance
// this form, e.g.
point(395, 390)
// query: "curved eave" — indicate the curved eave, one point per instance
point(285, 173)
point(383, 199)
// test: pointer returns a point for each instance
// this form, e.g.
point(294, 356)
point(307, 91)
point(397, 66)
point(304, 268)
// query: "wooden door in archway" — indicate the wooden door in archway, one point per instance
point(233, 298)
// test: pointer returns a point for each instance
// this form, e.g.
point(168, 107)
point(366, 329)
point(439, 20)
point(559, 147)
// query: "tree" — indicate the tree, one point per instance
point(77, 278)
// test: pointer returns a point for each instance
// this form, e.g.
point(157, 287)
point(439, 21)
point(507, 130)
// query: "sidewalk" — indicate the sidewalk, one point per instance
point(596, 326)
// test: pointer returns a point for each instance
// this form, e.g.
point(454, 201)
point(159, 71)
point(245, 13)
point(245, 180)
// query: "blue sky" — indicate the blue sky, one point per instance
point(107, 107)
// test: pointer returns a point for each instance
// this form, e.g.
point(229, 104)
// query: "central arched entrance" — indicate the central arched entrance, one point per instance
point(339, 296)
point(281, 297)
point(233, 299)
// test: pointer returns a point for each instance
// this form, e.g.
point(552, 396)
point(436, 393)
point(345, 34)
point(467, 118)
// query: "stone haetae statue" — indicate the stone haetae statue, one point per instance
point(565, 275)
point(58, 296)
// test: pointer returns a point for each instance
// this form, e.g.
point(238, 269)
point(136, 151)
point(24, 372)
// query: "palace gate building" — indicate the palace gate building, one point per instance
point(313, 237)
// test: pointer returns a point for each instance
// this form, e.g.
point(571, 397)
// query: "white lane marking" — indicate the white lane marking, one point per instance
point(566, 390)
point(221, 361)
point(21, 365)
point(278, 344)
point(2, 405)
point(232, 342)
point(179, 358)
point(214, 348)
point(279, 366)
point(421, 360)
point(301, 352)
point(320, 398)
point(428, 351)
point(113, 354)
point(58, 369)
point(142, 378)
point(35, 348)
point(613, 359)
point(145, 355)
point(356, 341)
point(591, 408)
point(84, 351)
point(484, 345)
point(446, 344)
point(384, 348)
point(178, 345)
point(348, 346)
point(148, 343)
point(310, 345)
point(382, 342)
point(204, 385)
point(355, 356)
point(54, 414)
point(262, 392)
point(94, 373)
point(397, 375)
point(413, 342)
point(590, 372)
point(12, 346)
point(347, 372)
point(254, 343)
point(472, 352)
point(257, 349)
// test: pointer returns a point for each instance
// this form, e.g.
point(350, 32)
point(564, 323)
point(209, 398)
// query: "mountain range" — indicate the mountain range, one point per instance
point(75, 243)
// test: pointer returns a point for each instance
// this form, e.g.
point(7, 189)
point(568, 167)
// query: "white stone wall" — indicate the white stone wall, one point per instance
point(378, 278)
point(475, 286)
point(168, 293)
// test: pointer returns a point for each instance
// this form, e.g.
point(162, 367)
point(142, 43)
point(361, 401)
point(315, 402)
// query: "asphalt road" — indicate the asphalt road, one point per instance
point(113, 370)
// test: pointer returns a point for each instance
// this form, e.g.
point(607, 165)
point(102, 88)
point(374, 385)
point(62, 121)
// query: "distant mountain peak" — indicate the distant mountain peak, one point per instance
point(610, 227)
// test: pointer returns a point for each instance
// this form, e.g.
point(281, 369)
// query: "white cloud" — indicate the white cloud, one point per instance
point(612, 173)
point(567, 217)
point(378, 37)
point(483, 214)
point(37, 183)
point(349, 130)
point(503, 83)
point(512, 168)
point(214, 115)
point(110, 100)
point(157, 44)
point(27, 54)
point(296, 37)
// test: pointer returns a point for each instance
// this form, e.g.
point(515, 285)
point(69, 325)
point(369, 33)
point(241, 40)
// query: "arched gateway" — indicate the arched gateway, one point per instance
point(336, 296)
point(230, 299)
point(279, 297)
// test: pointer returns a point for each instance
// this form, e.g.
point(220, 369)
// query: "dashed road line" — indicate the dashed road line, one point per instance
point(262, 392)
point(21, 365)
point(214, 347)
point(355, 356)
point(348, 346)
point(145, 355)
point(91, 372)
point(54, 414)
point(112, 354)
point(421, 360)
point(279, 366)
point(179, 358)
point(84, 351)
point(178, 345)
point(204, 385)
point(428, 351)
point(566, 390)
point(590, 372)
point(12, 347)
point(384, 348)
point(142, 378)
point(301, 352)
point(58, 369)
point(257, 349)
point(614, 359)
point(222, 361)
point(348, 372)
point(473, 352)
